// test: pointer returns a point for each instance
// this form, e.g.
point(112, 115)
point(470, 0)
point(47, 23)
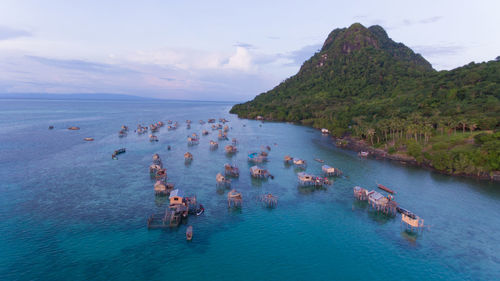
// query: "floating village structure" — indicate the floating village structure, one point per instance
point(255, 157)
point(156, 166)
point(234, 199)
point(193, 139)
point(222, 180)
point(382, 204)
point(230, 149)
point(361, 193)
point(311, 180)
point(222, 135)
point(179, 206)
point(123, 131)
point(188, 156)
point(231, 170)
point(269, 200)
point(410, 220)
point(258, 172)
point(331, 171)
point(213, 144)
point(162, 188)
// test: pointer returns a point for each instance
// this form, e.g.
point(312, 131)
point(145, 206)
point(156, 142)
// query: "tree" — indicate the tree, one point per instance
point(463, 122)
point(370, 132)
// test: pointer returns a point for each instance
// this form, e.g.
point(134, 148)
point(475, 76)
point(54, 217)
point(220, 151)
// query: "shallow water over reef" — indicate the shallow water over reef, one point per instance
point(68, 211)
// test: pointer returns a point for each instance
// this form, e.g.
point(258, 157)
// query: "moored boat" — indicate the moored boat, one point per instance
point(385, 188)
point(189, 233)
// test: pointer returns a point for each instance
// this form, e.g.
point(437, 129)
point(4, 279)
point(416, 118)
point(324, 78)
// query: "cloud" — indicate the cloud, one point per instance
point(408, 22)
point(431, 19)
point(297, 57)
point(80, 65)
point(437, 50)
point(233, 77)
point(10, 33)
point(241, 60)
point(245, 45)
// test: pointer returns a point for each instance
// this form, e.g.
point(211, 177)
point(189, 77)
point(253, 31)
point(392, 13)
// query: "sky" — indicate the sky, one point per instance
point(215, 50)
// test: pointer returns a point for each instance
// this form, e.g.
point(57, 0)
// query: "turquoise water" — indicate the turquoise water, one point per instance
point(70, 212)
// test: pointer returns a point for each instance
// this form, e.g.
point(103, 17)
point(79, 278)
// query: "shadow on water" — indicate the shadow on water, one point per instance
point(359, 205)
point(411, 236)
point(235, 210)
point(298, 170)
point(160, 200)
point(310, 189)
point(258, 182)
point(379, 217)
point(221, 189)
point(229, 155)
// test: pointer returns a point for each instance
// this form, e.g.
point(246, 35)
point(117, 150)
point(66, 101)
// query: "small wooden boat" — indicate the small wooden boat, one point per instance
point(189, 233)
point(200, 211)
point(88, 139)
point(319, 160)
point(385, 188)
point(363, 154)
point(74, 128)
point(119, 151)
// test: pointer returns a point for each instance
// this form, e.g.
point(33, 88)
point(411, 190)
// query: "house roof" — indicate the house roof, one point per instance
point(376, 196)
point(176, 192)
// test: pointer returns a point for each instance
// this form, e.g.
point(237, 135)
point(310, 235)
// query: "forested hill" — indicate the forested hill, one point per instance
point(364, 84)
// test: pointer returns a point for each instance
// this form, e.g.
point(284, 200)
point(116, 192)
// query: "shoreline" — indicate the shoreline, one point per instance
point(354, 144)
point(380, 154)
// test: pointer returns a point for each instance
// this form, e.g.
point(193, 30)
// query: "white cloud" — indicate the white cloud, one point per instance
point(241, 60)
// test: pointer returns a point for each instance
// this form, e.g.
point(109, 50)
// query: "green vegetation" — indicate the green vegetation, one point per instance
point(363, 84)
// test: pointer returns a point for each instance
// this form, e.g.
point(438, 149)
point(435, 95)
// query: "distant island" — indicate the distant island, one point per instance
point(72, 96)
point(377, 95)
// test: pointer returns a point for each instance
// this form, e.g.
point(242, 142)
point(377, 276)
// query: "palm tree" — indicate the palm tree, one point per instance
point(472, 126)
point(463, 122)
point(370, 132)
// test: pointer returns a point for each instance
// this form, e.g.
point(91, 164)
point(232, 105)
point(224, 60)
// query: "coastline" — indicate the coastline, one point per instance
point(354, 144)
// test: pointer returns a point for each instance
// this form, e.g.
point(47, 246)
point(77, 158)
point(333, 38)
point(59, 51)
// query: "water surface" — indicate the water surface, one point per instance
point(68, 211)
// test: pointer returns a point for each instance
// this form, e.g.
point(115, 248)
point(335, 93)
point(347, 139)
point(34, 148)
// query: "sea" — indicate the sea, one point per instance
point(68, 211)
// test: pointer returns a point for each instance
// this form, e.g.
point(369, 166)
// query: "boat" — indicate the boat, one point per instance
point(200, 210)
point(385, 188)
point(51, 127)
point(319, 160)
point(363, 154)
point(189, 233)
point(88, 139)
point(74, 128)
point(119, 151)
